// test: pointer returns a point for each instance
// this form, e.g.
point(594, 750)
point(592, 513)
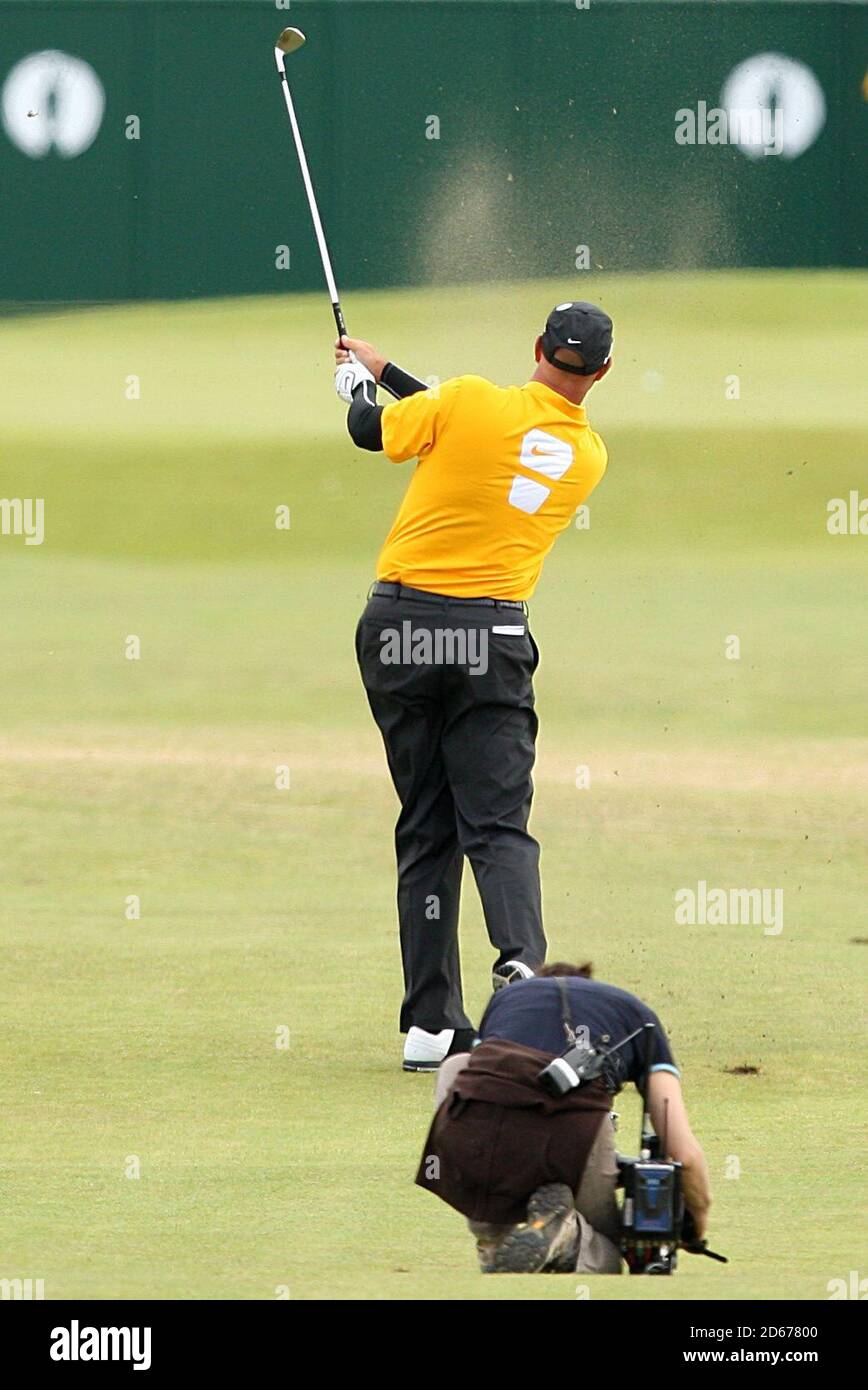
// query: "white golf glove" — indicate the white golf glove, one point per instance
point(349, 376)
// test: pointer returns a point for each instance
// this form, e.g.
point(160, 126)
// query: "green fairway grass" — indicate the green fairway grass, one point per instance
point(238, 1042)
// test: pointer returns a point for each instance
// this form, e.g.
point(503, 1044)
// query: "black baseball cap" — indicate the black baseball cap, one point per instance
point(583, 328)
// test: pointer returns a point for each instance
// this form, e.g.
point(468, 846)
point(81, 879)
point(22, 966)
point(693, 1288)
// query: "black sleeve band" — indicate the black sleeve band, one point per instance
point(363, 418)
point(400, 383)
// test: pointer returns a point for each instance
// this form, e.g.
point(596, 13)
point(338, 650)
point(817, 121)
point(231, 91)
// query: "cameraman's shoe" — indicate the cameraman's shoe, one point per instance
point(547, 1242)
point(509, 972)
point(424, 1051)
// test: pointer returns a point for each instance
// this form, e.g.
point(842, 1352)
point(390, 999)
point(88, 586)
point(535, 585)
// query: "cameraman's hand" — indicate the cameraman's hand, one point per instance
point(693, 1228)
point(366, 353)
point(694, 1242)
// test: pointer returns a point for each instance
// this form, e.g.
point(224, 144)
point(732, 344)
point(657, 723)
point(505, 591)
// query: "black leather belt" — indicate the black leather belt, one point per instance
point(385, 588)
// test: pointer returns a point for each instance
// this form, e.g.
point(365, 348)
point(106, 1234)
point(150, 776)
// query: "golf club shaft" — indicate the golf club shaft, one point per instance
point(311, 198)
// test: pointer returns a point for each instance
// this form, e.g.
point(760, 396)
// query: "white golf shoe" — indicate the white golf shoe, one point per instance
point(509, 972)
point(425, 1051)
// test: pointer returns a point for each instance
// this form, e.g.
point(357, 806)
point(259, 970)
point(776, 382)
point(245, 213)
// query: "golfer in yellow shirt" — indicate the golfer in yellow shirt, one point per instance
point(444, 647)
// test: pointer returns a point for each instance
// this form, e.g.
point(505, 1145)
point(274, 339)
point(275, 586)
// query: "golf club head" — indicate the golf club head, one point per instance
point(290, 40)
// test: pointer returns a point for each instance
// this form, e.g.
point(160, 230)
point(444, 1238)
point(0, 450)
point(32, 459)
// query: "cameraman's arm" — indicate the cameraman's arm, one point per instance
point(669, 1117)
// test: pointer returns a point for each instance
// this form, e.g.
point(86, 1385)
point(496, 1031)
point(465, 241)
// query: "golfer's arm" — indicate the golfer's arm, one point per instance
point(669, 1117)
point(364, 416)
point(363, 420)
point(400, 383)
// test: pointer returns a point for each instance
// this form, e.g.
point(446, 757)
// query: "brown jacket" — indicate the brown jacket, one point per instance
point(498, 1135)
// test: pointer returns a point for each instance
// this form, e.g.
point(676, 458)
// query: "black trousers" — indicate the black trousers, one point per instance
point(460, 740)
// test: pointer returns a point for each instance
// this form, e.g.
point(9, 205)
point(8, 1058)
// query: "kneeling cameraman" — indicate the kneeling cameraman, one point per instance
point(534, 1172)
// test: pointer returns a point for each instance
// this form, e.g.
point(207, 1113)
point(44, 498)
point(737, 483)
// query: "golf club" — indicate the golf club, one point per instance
point(288, 42)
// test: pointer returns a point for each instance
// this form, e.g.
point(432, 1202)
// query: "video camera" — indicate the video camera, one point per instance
point(655, 1223)
point(652, 1211)
point(654, 1220)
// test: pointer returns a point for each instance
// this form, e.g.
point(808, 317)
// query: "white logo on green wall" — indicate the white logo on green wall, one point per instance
point(772, 82)
point(52, 101)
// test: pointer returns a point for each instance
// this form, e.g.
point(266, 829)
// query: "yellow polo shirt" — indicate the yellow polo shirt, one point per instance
point(501, 472)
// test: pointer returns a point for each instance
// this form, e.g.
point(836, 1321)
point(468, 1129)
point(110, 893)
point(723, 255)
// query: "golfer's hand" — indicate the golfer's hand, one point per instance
point(365, 352)
point(349, 375)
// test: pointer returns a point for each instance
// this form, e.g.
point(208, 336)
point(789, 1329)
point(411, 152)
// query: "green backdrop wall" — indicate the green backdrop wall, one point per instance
point(556, 130)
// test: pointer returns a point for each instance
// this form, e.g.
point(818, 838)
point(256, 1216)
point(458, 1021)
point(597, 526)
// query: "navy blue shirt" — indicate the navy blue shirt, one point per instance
point(531, 1012)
